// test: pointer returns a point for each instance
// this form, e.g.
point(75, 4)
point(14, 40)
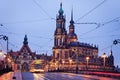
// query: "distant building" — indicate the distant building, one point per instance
point(44, 57)
point(22, 59)
point(69, 53)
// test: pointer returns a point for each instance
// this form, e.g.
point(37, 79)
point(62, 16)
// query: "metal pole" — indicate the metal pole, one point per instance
point(76, 63)
point(7, 44)
point(87, 63)
point(87, 59)
point(104, 61)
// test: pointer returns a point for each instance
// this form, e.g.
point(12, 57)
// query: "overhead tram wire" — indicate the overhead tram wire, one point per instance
point(43, 9)
point(102, 36)
point(91, 10)
point(26, 21)
point(101, 25)
point(21, 34)
point(109, 46)
point(14, 45)
point(113, 20)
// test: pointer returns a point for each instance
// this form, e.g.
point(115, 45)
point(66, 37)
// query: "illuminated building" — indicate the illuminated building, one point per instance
point(22, 58)
point(69, 53)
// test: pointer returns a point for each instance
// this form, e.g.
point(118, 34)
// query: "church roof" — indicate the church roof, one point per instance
point(13, 54)
point(27, 47)
point(78, 44)
point(74, 44)
point(72, 35)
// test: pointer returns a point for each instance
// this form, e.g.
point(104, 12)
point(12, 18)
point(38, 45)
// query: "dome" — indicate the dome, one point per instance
point(72, 35)
point(74, 43)
point(61, 10)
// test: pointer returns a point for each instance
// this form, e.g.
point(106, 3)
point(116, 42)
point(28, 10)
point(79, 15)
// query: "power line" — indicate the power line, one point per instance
point(27, 21)
point(2, 26)
point(113, 20)
point(109, 46)
point(91, 10)
point(88, 23)
point(101, 25)
point(100, 36)
point(43, 9)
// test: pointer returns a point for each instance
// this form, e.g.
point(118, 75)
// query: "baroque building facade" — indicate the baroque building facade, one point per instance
point(23, 57)
point(70, 54)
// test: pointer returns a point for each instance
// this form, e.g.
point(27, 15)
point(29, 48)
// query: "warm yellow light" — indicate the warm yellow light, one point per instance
point(87, 58)
point(104, 55)
point(0, 54)
point(4, 55)
point(70, 60)
point(63, 62)
point(9, 60)
point(55, 64)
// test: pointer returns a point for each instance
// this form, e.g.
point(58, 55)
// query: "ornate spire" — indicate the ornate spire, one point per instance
point(111, 53)
point(61, 10)
point(25, 42)
point(72, 22)
point(71, 27)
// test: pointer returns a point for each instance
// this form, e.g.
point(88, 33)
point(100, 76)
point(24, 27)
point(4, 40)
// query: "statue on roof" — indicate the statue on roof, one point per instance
point(25, 42)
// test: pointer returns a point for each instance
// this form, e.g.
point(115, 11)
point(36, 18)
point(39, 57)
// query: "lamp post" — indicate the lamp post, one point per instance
point(104, 57)
point(70, 60)
point(9, 63)
point(87, 59)
point(5, 60)
point(63, 64)
point(1, 62)
point(5, 66)
point(75, 50)
point(0, 55)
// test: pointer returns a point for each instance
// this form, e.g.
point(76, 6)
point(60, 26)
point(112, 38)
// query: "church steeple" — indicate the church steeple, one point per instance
point(61, 10)
point(71, 27)
point(72, 37)
point(25, 42)
point(72, 22)
point(111, 59)
point(60, 32)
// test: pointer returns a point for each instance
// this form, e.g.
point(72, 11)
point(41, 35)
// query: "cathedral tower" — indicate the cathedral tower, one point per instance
point(60, 32)
point(60, 35)
point(71, 37)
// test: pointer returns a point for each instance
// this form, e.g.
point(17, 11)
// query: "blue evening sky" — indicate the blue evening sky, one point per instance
point(36, 18)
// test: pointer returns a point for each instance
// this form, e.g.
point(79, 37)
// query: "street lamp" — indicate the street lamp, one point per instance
point(87, 59)
point(0, 55)
point(63, 64)
point(70, 60)
point(75, 50)
point(5, 66)
point(104, 56)
point(58, 65)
